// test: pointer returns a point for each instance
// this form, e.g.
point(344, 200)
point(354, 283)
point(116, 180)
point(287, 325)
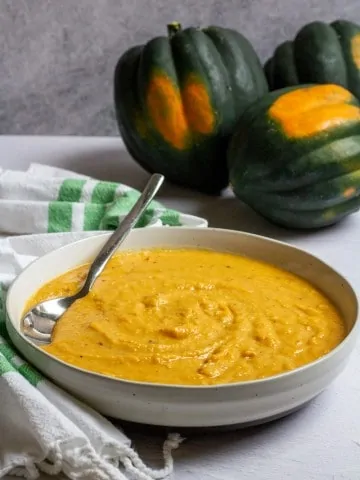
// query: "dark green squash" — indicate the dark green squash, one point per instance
point(320, 53)
point(178, 98)
point(295, 156)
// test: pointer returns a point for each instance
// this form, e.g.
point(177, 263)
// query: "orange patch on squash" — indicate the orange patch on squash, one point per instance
point(166, 110)
point(309, 111)
point(349, 192)
point(355, 50)
point(197, 105)
point(329, 214)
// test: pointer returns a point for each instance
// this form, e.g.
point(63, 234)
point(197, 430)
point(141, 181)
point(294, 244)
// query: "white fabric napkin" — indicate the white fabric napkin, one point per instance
point(48, 199)
point(42, 428)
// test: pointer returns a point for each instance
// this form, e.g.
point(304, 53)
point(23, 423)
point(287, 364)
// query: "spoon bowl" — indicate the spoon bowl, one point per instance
point(38, 323)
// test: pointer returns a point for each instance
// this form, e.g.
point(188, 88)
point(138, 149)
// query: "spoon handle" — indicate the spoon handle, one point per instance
point(121, 232)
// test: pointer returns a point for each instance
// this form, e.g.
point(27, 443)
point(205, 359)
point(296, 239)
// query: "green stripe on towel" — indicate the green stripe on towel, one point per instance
point(59, 217)
point(5, 366)
point(71, 190)
point(104, 192)
point(93, 215)
point(7, 352)
point(31, 375)
point(171, 218)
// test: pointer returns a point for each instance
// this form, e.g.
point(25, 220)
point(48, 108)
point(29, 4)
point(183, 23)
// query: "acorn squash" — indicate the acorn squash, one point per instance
point(320, 53)
point(178, 98)
point(295, 156)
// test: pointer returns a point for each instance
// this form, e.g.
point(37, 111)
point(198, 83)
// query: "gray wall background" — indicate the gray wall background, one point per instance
point(57, 56)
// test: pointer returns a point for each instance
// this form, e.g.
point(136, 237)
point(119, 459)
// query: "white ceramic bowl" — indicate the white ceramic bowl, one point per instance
point(190, 406)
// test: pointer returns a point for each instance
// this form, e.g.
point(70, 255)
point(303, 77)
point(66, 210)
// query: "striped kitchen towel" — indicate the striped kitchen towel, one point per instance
point(46, 200)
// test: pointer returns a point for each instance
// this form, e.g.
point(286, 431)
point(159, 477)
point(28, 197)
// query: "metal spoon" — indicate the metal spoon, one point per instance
point(39, 322)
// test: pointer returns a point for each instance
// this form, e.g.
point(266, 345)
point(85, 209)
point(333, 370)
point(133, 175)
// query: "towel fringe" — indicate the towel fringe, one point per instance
point(90, 465)
point(133, 463)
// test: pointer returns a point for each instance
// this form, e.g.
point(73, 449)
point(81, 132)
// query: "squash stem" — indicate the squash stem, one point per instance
point(173, 28)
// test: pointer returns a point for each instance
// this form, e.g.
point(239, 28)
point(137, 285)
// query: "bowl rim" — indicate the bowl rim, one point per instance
point(242, 384)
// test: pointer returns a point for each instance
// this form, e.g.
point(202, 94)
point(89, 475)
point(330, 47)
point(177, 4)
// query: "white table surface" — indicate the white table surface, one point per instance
point(320, 442)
